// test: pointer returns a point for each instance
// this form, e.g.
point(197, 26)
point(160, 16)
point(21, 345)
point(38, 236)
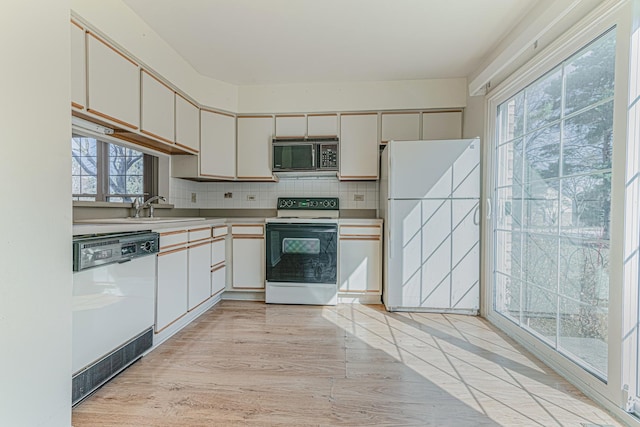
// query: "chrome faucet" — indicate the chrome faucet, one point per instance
point(138, 207)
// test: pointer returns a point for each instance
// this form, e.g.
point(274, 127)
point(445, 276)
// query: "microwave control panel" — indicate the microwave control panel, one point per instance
point(329, 156)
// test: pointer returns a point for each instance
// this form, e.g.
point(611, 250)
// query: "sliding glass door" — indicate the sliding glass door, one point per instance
point(552, 186)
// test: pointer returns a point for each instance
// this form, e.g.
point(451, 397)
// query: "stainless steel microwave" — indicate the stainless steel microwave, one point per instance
point(298, 155)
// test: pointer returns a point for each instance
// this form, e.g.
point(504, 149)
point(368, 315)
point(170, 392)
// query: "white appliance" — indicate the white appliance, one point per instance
point(430, 201)
point(113, 305)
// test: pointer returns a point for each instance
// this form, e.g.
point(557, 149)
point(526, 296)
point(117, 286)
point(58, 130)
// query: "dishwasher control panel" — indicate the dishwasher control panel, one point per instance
point(96, 250)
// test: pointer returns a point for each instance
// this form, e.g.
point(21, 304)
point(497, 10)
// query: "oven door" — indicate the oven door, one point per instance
point(293, 156)
point(302, 253)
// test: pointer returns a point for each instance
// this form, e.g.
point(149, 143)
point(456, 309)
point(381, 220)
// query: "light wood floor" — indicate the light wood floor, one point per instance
point(247, 363)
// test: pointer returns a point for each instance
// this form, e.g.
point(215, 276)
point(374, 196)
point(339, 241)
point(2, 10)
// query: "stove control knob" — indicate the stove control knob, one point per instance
point(314, 203)
point(147, 246)
point(325, 203)
point(288, 203)
point(332, 203)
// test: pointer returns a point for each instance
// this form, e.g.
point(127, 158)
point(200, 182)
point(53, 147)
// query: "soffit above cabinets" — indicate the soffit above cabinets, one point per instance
point(249, 42)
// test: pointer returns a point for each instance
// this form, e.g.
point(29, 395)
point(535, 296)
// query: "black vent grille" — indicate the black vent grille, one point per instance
point(93, 376)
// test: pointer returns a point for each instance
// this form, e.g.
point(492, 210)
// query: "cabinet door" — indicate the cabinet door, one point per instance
point(359, 146)
point(158, 109)
point(360, 264)
point(78, 67)
point(218, 279)
point(199, 274)
point(444, 125)
point(400, 127)
point(113, 84)
point(187, 124)
point(322, 124)
point(254, 147)
point(218, 249)
point(171, 297)
point(291, 125)
point(217, 145)
point(248, 262)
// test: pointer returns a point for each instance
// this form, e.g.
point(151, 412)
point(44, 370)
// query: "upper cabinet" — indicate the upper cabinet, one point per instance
point(359, 146)
point(255, 135)
point(322, 125)
point(291, 125)
point(113, 82)
point(158, 109)
point(442, 125)
point(187, 124)
point(400, 127)
point(218, 145)
point(78, 70)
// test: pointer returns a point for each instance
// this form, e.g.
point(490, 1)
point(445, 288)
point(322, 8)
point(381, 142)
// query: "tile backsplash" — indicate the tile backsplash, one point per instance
point(264, 195)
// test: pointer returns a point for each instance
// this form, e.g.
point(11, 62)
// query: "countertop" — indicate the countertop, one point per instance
point(94, 227)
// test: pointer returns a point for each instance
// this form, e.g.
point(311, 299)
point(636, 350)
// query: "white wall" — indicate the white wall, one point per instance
point(35, 242)
point(127, 29)
point(390, 95)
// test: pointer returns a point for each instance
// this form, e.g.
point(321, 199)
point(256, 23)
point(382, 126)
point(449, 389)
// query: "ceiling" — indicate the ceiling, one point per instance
point(249, 42)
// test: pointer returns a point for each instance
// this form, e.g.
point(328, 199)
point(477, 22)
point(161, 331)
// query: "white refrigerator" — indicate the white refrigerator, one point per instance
point(430, 202)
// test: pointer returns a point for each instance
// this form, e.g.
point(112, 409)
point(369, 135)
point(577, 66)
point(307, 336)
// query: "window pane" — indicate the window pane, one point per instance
point(586, 207)
point(508, 297)
point(126, 173)
point(509, 208)
point(542, 104)
point(508, 248)
point(511, 115)
point(590, 74)
point(583, 332)
point(542, 153)
point(588, 140)
point(539, 260)
point(83, 165)
point(584, 271)
point(510, 155)
point(539, 309)
point(540, 206)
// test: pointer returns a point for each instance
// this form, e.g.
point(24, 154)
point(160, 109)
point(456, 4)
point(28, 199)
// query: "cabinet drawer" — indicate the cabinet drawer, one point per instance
point(173, 238)
point(248, 229)
point(197, 234)
point(219, 231)
point(360, 231)
point(218, 279)
point(218, 251)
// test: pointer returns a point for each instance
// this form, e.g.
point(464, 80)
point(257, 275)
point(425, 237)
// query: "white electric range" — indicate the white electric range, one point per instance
point(302, 252)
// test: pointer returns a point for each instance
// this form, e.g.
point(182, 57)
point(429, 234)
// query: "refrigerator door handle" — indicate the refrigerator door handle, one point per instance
point(476, 215)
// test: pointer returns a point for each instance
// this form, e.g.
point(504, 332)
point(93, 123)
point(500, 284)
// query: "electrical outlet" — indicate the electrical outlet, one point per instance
point(251, 197)
point(358, 197)
point(193, 197)
point(228, 195)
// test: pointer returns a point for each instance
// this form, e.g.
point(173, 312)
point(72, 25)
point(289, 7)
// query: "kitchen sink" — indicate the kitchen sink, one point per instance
point(141, 220)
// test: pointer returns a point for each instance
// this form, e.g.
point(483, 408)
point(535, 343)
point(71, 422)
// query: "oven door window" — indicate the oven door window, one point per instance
point(293, 156)
point(302, 253)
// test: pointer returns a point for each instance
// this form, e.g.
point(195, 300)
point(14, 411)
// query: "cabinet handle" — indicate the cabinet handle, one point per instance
point(173, 251)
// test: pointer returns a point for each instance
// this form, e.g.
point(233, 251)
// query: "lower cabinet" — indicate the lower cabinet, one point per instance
point(172, 288)
point(199, 273)
point(360, 252)
point(248, 256)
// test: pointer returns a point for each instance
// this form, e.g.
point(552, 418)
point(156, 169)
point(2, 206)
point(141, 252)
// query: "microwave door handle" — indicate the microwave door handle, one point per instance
point(314, 165)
